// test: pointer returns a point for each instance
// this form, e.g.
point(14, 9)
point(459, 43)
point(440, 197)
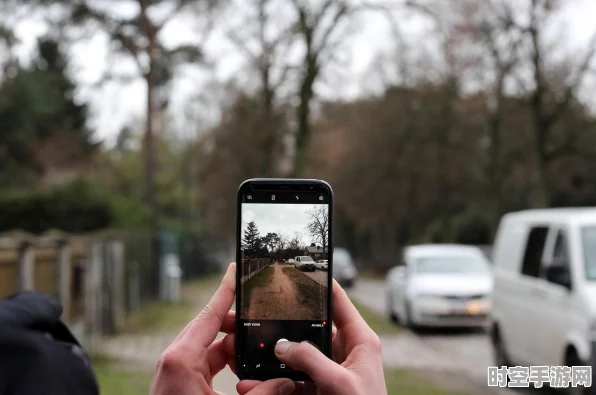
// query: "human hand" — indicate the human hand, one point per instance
point(358, 366)
point(190, 363)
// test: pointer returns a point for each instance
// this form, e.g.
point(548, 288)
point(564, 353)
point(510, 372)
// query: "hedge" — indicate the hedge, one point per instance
point(76, 207)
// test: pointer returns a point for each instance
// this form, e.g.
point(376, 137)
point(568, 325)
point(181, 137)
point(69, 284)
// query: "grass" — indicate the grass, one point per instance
point(160, 316)
point(372, 274)
point(114, 380)
point(379, 324)
point(401, 381)
point(261, 279)
point(308, 290)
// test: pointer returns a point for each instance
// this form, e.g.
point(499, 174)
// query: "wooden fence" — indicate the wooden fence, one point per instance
point(250, 267)
point(86, 274)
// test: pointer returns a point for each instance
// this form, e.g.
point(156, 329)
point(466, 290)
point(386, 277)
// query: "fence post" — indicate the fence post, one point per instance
point(93, 294)
point(117, 251)
point(64, 276)
point(26, 266)
point(134, 287)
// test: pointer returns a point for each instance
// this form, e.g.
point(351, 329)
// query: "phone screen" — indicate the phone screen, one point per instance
point(284, 245)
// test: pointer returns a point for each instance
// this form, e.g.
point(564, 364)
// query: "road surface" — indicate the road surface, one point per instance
point(319, 276)
point(467, 353)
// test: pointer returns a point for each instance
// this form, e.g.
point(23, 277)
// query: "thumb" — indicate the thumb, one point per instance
point(272, 387)
point(308, 359)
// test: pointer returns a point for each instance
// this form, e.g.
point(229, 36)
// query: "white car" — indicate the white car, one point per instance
point(344, 270)
point(544, 300)
point(440, 286)
point(322, 264)
point(305, 263)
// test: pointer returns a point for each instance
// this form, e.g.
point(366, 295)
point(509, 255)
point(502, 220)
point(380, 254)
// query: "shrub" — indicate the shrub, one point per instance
point(472, 227)
point(76, 207)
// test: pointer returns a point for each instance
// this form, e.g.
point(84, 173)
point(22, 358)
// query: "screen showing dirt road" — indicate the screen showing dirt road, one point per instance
point(284, 276)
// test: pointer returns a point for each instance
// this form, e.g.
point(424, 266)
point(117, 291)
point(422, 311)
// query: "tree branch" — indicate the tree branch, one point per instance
point(571, 89)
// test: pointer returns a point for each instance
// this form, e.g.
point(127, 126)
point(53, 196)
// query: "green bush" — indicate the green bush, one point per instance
point(76, 207)
point(472, 227)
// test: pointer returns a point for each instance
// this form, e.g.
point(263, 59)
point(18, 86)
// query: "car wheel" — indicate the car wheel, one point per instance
point(572, 359)
point(408, 320)
point(499, 349)
point(390, 311)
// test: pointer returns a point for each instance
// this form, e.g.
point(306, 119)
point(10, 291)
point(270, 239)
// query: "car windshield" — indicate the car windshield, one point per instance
point(341, 257)
point(306, 259)
point(452, 265)
point(589, 246)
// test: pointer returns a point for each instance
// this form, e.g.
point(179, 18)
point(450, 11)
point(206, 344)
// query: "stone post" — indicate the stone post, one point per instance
point(26, 266)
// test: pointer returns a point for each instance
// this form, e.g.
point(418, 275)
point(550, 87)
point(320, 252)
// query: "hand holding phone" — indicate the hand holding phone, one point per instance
point(358, 365)
point(190, 363)
point(285, 263)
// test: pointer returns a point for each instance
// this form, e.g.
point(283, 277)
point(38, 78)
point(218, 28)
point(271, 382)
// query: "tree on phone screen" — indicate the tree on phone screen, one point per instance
point(318, 225)
point(251, 243)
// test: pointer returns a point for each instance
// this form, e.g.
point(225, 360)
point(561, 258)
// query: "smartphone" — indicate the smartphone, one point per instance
point(284, 258)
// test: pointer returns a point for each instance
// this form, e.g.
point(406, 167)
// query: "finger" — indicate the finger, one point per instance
point(307, 358)
point(217, 358)
point(203, 329)
point(270, 387)
point(344, 312)
point(229, 323)
point(229, 344)
point(333, 332)
point(246, 385)
point(305, 389)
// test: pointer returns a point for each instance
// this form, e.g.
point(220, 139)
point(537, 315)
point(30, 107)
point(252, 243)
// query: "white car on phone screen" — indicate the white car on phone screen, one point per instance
point(305, 263)
point(322, 264)
point(440, 286)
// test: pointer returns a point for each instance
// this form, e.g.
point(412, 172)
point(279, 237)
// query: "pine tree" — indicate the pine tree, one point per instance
point(42, 125)
point(251, 243)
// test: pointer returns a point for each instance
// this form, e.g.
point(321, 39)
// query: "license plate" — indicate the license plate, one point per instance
point(475, 308)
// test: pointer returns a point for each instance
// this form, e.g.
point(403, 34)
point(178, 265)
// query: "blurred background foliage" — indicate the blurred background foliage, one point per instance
point(492, 120)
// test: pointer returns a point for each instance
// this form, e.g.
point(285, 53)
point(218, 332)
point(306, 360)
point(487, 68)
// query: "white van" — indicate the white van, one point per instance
point(544, 297)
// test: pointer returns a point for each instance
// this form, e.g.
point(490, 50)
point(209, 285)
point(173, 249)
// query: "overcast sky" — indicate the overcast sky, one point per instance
point(114, 105)
point(284, 219)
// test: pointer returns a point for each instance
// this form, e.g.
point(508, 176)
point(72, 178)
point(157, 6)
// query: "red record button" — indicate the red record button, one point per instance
point(262, 345)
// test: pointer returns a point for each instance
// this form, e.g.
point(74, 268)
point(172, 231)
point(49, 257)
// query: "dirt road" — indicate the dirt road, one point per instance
point(280, 299)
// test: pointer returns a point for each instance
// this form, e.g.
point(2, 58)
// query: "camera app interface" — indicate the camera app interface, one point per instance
point(284, 251)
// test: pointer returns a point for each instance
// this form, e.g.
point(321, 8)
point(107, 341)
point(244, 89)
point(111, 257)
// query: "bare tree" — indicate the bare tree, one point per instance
point(489, 29)
point(138, 37)
point(322, 30)
point(265, 53)
point(318, 225)
point(548, 99)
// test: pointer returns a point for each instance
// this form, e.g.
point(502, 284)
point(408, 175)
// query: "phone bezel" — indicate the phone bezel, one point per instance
point(283, 185)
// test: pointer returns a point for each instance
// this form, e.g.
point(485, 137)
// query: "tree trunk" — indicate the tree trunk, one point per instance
point(149, 146)
point(304, 127)
point(495, 167)
point(269, 124)
point(540, 190)
point(151, 35)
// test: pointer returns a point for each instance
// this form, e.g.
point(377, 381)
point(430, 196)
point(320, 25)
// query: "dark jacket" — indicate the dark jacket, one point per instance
point(38, 354)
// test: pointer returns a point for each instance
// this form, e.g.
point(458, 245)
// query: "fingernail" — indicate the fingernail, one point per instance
point(282, 347)
point(286, 388)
